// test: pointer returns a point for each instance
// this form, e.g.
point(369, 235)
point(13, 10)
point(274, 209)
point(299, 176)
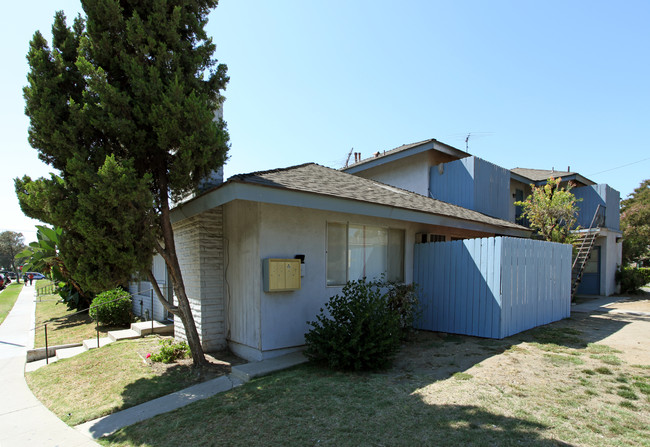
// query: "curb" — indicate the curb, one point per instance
point(34, 355)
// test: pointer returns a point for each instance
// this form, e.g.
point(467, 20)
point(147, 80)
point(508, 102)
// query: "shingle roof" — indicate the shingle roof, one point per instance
point(538, 175)
point(401, 148)
point(313, 178)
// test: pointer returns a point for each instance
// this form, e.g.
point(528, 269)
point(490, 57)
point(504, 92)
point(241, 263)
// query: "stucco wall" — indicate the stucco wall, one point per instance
point(263, 325)
point(610, 259)
point(410, 173)
point(199, 246)
point(243, 276)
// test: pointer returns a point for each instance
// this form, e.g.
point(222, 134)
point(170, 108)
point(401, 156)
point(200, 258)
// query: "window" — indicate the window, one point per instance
point(363, 251)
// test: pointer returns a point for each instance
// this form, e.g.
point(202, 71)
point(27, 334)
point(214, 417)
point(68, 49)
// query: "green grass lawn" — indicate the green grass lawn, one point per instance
point(64, 326)
point(550, 386)
point(8, 298)
point(115, 377)
point(547, 387)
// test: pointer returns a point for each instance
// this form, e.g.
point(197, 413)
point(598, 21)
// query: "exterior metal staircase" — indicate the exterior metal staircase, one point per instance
point(584, 245)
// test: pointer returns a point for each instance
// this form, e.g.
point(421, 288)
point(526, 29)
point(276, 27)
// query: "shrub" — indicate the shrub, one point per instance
point(646, 272)
point(631, 279)
point(359, 331)
point(112, 308)
point(402, 299)
point(170, 351)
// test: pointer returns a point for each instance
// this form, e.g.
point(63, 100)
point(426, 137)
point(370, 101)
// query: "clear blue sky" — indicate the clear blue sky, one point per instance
point(538, 84)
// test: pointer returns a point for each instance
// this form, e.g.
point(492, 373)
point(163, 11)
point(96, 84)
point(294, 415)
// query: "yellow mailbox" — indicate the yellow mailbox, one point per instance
point(281, 275)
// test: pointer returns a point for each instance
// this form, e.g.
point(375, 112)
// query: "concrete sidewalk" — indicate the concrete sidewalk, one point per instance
point(606, 305)
point(24, 421)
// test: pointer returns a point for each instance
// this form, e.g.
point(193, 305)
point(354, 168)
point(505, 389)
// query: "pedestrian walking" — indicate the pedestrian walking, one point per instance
point(31, 278)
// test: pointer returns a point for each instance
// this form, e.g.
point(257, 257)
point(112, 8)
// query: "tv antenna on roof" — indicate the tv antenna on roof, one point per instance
point(475, 135)
point(348, 160)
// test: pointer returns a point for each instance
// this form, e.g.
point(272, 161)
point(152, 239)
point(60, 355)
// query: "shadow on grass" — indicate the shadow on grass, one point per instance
point(174, 377)
point(310, 405)
point(329, 408)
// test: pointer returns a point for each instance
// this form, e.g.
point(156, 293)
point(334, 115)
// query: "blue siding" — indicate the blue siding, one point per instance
point(492, 287)
point(594, 195)
point(473, 183)
point(455, 184)
point(491, 189)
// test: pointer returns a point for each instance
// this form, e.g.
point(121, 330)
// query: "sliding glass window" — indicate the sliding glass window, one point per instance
point(363, 251)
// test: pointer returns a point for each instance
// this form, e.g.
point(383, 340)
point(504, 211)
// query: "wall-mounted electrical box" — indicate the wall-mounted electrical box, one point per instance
point(281, 275)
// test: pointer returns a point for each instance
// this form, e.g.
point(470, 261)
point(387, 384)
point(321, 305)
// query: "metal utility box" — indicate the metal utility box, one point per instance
point(281, 275)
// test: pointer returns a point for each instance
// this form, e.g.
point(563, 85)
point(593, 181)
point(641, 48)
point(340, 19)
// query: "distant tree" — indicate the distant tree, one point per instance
point(11, 243)
point(552, 211)
point(635, 224)
point(123, 106)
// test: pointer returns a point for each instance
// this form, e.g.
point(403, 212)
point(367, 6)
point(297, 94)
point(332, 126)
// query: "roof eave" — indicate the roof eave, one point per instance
point(240, 190)
point(391, 157)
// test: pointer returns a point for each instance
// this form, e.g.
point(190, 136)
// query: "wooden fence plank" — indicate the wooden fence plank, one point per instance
point(492, 287)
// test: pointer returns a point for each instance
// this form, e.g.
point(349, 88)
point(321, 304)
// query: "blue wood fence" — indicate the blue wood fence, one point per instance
point(492, 287)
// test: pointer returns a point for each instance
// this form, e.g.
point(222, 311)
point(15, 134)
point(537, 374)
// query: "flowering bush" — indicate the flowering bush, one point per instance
point(170, 351)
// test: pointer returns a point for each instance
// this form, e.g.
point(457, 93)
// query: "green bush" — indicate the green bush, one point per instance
point(359, 331)
point(112, 308)
point(631, 279)
point(171, 351)
point(402, 299)
point(646, 272)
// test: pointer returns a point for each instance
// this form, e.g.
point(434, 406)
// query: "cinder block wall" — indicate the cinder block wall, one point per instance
point(199, 245)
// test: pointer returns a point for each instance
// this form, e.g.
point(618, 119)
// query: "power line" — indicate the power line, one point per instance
point(619, 167)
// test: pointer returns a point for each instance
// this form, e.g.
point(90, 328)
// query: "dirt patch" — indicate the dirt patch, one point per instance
point(220, 363)
point(439, 355)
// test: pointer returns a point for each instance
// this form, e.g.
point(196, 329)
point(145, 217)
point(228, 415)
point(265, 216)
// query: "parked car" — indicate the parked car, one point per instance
point(36, 275)
point(12, 276)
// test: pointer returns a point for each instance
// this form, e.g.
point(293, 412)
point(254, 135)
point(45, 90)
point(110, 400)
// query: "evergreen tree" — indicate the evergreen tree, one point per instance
point(123, 106)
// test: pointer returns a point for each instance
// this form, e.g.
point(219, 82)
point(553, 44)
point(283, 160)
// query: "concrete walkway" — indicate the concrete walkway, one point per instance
point(24, 421)
point(606, 305)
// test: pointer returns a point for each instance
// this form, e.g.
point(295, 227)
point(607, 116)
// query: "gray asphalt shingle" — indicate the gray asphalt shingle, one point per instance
point(317, 179)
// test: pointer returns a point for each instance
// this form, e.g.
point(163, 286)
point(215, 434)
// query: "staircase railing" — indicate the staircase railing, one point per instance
point(44, 325)
point(584, 250)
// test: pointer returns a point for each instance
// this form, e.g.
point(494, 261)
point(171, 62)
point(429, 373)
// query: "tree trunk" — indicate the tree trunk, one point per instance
point(171, 260)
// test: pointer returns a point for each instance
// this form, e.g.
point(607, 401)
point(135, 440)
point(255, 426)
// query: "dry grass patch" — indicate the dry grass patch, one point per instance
point(115, 377)
point(435, 394)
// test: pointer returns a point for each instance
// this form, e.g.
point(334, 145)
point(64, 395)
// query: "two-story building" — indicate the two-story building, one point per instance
point(342, 225)
point(479, 185)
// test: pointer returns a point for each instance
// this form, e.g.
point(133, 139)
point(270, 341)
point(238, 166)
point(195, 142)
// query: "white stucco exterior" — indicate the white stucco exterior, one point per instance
point(410, 173)
point(263, 325)
point(611, 257)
